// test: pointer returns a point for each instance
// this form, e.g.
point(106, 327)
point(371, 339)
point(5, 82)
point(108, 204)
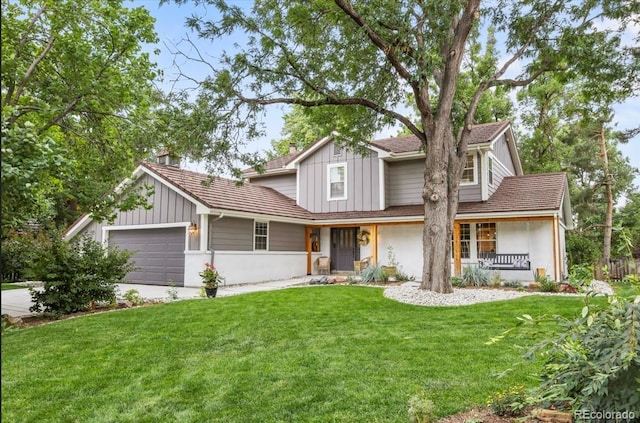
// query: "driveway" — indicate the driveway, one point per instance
point(16, 302)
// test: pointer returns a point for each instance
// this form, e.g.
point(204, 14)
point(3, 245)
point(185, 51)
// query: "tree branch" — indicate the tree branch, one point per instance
point(31, 69)
point(328, 101)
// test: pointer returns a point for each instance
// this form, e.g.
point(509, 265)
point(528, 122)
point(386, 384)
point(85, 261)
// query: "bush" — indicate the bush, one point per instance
point(456, 281)
point(421, 409)
point(475, 276)
point(76, 275)
point(580, 276)
point(16, 254)
point(547, 285)
point(510, 403)
point(594, 363)
point(373, 274)
point(133, 296)
point(512, 284)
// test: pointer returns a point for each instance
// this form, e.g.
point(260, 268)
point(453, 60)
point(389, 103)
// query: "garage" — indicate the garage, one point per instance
point(158, 254)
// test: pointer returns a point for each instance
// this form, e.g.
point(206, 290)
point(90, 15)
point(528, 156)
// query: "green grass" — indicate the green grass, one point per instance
point(324, 354)
point(625, 289)
point(8, 286)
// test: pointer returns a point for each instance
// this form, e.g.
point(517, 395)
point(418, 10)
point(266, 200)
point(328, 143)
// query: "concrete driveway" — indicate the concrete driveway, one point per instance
point(16, 302)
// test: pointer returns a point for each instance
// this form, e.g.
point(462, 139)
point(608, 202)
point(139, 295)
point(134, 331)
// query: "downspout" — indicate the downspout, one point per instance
point(213, 251)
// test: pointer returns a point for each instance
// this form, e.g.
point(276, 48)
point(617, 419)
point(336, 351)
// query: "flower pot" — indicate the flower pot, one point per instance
point(211, 292)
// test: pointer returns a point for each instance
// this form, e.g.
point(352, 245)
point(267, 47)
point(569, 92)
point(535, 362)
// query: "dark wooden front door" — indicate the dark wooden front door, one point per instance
point(344, 248)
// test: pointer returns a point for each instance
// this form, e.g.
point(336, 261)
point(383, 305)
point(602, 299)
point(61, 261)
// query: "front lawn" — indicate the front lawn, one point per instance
point(323, 354)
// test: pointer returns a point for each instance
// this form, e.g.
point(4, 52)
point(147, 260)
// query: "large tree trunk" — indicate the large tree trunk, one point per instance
point(440, 195)
point(608, 220)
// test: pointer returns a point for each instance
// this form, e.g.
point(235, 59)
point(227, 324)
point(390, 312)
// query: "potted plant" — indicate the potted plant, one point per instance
point(392, 266)
point(211, 278)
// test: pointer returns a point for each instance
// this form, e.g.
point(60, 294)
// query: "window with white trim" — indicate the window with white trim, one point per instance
point(260, 235)
point(337, 181)
point(469, 173)
point(465, 241)
point(486, 238)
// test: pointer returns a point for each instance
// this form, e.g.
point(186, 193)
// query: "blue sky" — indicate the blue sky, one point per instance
point(170, 26)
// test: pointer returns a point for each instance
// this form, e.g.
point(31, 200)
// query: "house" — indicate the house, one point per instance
point(328, 201)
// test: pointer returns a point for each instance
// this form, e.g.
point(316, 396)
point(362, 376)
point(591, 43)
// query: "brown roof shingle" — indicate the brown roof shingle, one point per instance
point(225, 194)
point(409, 143)
point(541, 192)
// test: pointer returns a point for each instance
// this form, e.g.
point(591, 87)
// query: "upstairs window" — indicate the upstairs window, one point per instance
point(469, 174)
point(337, 150)
point(260, 235)
point(337, 174)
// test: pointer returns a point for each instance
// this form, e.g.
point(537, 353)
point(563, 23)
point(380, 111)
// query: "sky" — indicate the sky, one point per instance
point(171, 30)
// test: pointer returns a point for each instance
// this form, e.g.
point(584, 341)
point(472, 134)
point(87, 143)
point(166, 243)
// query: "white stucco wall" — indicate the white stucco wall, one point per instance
point(193, 264)
point(534, 238)
point(259, 266)
point(406, 241)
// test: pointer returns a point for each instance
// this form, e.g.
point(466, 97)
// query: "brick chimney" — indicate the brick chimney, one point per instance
point(292, 148)
point(168, 159)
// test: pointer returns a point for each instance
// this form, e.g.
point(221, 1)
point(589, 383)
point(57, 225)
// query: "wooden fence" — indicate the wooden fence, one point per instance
point(617, 268)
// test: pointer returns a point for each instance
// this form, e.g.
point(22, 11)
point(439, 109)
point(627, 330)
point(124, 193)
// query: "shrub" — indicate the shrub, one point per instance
point(373, 274)
point(421, 409)
point(76, 275)
point(594, 362)
point(496, 280)
point(512, 284)
point(133, 296)
point(510, 403)
point(580, 276)
point(456, 281)
point(475, 276)
point(17, 253)
point(547, 285)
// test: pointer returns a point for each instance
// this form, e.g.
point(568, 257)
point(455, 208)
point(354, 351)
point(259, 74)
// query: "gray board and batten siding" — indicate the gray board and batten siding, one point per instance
point(167, 207)
point(406, 180)
point(362, 181)
point(502, 152)
point(285, 184)
point(236, 234)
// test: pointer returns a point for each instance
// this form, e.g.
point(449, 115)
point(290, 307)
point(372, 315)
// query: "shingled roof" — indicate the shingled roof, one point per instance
point(540, 192)
point(482, 133)
point(225, 194)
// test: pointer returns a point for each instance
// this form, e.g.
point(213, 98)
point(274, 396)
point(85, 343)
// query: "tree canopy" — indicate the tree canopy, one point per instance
point(77, 93)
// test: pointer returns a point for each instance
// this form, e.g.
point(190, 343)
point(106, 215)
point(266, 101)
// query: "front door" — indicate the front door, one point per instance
point(344, 248)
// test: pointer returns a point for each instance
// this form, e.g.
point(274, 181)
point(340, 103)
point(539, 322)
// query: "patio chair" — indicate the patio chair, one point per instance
point(323, 264)
point(358, 265)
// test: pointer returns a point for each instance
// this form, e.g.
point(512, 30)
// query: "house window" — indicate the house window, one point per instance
point(337, 150)
point(260, 235)
point(486, 238)
point(490, 170)
point(469, 174)
point(465, 241)
point(337, 181)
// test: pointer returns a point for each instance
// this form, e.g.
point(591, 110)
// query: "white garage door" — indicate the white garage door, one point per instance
point(158, 254)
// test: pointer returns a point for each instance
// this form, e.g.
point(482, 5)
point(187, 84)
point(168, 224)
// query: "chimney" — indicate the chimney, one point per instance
point(292, 148)
point(168, 159)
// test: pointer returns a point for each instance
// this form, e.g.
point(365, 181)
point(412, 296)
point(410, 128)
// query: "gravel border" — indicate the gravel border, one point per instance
point(410, 294)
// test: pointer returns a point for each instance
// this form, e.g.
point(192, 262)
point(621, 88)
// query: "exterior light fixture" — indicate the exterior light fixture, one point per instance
point(193, 228)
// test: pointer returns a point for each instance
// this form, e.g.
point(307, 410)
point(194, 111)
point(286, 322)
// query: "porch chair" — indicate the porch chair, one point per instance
point(323, 264)
point(358, 265)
